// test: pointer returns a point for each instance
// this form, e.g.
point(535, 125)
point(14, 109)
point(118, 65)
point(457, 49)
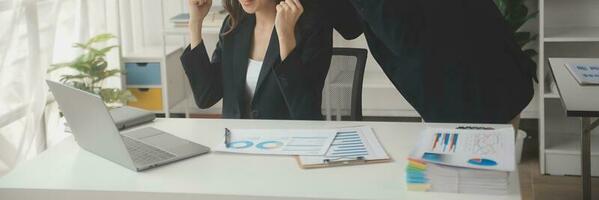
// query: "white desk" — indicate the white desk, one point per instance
point(579, 101)
point(68, 172)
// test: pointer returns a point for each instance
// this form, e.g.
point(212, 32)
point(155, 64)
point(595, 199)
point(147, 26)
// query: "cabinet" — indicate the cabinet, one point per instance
point(156, 79)
point(568, 29)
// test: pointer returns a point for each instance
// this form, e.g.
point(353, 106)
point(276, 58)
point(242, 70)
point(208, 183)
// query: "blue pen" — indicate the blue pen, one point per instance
point(436, 140)
point(227, 138)
point(455, 141)
point(446, 141)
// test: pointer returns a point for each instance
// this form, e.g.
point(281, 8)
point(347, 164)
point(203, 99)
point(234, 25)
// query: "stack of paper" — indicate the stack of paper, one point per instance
point(462, 161)
point(423, 176)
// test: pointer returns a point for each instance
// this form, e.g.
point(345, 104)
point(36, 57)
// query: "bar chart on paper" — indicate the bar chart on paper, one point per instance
point(348, 144)
point(445, 142)
point(279, 142)
point(354, 143)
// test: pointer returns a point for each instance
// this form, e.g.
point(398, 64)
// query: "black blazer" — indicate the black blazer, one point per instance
point(454, 61)
point(286, 89)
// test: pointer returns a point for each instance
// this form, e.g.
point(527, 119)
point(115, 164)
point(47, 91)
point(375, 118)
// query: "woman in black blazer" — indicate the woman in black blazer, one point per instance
point(295, 55)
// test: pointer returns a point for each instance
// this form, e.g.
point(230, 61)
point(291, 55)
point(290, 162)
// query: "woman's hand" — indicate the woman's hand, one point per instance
point(198, 10)
point(288, 13)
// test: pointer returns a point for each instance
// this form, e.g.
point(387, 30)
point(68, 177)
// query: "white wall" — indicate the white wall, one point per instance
point(147, 22)
point(142, 28)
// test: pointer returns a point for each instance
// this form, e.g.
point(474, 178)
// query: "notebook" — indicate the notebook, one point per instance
point(585, 74)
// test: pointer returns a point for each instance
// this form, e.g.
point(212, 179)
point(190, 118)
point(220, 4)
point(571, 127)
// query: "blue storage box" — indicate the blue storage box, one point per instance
point(143, 73)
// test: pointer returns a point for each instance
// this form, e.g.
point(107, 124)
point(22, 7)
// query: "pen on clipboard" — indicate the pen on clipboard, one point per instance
point(475, 128)
point(358, 159)
point(227, 137)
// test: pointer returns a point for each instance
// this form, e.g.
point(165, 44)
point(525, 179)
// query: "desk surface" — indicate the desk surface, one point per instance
point(579, 100)
point(68, 171)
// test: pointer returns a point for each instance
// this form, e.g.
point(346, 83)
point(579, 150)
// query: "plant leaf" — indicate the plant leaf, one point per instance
point(103, 51)
point(82, 86)
point(502, 6)
point(106, 74)
point(99, 38)
point(531, 52)
point(112, 95)
point(81, 46)
point(57, 66)
point(73, 77)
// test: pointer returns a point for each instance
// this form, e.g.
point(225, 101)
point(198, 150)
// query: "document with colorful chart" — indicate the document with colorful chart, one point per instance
point(479, 149)
point(312, 142)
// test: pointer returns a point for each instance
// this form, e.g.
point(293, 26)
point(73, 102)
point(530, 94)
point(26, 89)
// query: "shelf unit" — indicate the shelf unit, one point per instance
point(572, 34)
point(210, 30)
point(568, 29)
point(154, 78)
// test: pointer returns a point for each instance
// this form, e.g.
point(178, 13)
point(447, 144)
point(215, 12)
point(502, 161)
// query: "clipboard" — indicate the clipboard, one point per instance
point(339, 163)
point(351, 146)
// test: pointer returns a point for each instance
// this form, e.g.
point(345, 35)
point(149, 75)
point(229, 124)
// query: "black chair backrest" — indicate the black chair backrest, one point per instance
point(344, 83)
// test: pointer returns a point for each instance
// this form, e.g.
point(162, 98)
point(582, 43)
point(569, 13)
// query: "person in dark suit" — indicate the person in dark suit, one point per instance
point(271, 60)
point(454, 61)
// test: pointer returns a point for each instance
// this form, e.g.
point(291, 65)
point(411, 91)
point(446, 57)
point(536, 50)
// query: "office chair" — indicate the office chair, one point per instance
point(343, 87)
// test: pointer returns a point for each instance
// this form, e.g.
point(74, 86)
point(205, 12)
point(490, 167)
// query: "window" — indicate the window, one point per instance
point(34, 34)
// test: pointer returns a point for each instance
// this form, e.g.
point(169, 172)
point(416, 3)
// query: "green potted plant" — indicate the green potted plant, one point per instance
point(516, 14)
point(91, 70)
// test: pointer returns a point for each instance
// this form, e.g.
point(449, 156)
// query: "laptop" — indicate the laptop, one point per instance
point(95, 131)
point(126, 117)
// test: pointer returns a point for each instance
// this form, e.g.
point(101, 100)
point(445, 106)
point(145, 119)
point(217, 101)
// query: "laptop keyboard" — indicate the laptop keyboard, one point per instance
point(144, 154)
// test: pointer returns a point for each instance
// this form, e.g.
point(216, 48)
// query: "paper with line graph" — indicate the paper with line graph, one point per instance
point(279, 141)
point(351, 144)
point(480, 149)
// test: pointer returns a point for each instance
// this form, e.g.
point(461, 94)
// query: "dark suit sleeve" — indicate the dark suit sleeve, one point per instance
point(301, 75)
point(205, 76)
point(390, 20)
point(345, 19)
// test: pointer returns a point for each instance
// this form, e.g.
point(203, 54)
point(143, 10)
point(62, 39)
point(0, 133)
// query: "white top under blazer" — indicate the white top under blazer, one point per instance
point(253, 73)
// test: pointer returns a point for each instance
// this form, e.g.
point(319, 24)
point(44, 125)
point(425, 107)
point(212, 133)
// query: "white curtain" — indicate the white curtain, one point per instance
point(33, 35)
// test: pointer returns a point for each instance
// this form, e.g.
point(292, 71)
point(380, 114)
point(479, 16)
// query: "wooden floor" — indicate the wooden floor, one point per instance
point(535, 186)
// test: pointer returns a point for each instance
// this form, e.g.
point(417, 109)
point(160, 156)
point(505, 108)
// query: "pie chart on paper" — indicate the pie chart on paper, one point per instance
point(482, 162)
point(241, 144)
point(267, 145)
